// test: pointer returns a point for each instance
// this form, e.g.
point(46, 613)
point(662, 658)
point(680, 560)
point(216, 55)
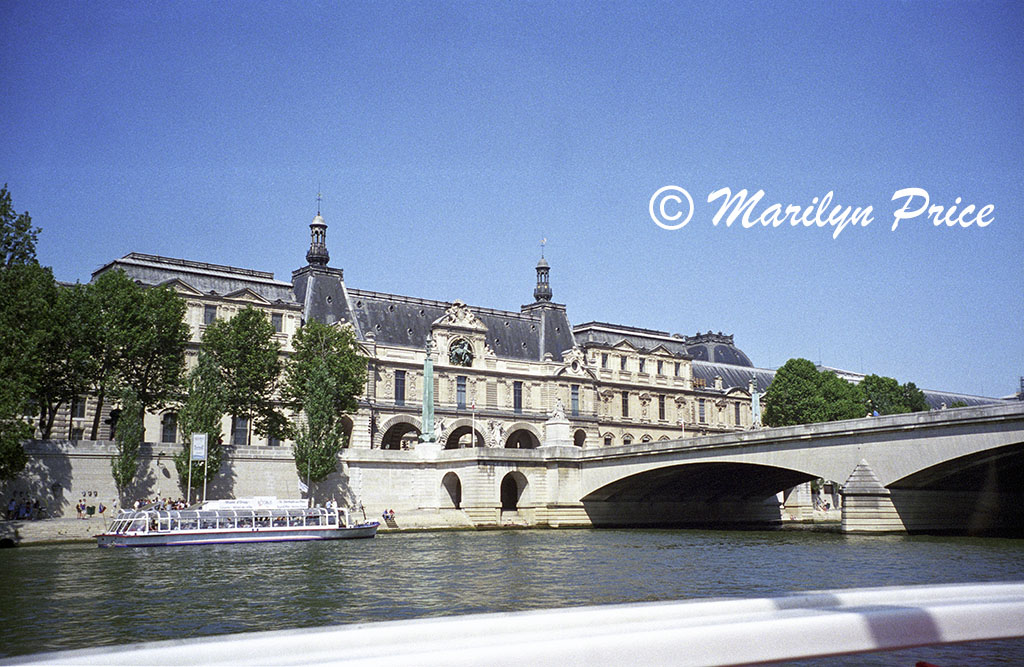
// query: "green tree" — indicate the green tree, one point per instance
point(138, 340)
point(66, 364)
point(17, 235)
point(246, 354)
point(125, 463)
point(13, 432)
point(914, 398)
point(319, 437)
point(843, 400)
point(323, 380)
point(883, 395)
point(23, 295)
point(201, 412)
point(317, 344)
point(795, 395)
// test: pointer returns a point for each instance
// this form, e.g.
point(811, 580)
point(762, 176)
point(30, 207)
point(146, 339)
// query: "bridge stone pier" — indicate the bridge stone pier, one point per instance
point(957, 471)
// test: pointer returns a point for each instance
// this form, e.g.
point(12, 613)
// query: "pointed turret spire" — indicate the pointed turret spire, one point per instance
point(318, 255)
point(543, 290)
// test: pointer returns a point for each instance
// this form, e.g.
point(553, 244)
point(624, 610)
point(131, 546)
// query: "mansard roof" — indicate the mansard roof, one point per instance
point(406, 321)
point(202, 277)
point(716, 348)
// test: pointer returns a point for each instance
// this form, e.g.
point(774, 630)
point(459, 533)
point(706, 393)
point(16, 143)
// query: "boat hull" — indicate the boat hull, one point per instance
point(192, 538)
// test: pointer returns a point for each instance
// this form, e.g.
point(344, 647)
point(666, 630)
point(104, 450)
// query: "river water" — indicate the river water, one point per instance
point(76, 596)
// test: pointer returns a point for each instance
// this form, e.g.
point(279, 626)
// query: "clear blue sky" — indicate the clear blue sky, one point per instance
point(448, 139)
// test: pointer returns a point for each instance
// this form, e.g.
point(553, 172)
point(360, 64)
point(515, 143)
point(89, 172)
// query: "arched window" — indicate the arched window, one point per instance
point(169, 427)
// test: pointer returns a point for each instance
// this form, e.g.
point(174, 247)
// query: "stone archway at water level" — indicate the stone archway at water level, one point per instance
point(512, 487)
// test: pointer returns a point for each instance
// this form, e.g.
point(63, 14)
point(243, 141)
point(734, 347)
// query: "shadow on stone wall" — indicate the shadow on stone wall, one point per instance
point(337, 488)
point(47, 477)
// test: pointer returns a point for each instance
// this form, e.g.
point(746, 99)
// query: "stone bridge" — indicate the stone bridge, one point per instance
point(957, 470)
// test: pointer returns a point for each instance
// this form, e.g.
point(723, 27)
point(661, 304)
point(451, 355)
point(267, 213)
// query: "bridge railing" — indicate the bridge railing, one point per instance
point(701, 632)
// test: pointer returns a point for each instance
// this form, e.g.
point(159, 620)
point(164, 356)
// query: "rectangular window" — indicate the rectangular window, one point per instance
point(604, 360)
point(661, 367)
point(77, 433)
point(169, 427)
point(622, 363)
point(517, 396)
point(78, 407)
point(661, 407)
point(239, 430)
point(607, 441)
point(575, 389)
point(209, 314)
point(273, 442)
point(677, 369)
point(625, 404)
point(736, 407)
point(399, 387)
point(642, 365)
point(277, 319)
point(700, 411)
point(460, 392)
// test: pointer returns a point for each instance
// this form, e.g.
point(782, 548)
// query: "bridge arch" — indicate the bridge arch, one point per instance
point(398, 431)
point(452, 487)
point(523, 435)
point(701, 481)
point(512, 490)
point(459, 429)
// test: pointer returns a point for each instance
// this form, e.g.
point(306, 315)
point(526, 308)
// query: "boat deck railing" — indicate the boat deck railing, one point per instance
point(222, 519)
point(700, 632)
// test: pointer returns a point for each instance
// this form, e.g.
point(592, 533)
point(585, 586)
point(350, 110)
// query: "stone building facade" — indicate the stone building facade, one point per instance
point(498, 374)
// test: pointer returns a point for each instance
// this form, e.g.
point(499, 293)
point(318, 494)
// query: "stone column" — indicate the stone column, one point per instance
point(867, 505)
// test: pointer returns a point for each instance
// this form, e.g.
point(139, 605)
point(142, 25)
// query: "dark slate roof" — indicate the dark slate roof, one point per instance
point(713, 347)
point(206, 278)
point(405, 321)
point(732, 376)
point(604, 334)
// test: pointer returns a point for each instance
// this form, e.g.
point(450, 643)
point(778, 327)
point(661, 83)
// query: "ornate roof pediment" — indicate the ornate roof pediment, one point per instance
point(246, 294)
point(574, 362)
point(181, 287)
point(459, 316)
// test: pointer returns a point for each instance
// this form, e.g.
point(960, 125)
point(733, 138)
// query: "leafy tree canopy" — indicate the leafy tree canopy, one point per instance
point(336, 350)
point(17, 235)
point(138, 340)
point(130, 432)
point(246, 354)
point(795, 396)
point(201, 412)
point(319, 437)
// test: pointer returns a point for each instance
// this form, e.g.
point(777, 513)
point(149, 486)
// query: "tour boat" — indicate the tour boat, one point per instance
point(262, 519)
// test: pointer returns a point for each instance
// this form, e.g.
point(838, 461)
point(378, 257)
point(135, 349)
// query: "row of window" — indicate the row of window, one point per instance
point(210, 316)
point(460, 393)
point(701, 408)
point(641, 365)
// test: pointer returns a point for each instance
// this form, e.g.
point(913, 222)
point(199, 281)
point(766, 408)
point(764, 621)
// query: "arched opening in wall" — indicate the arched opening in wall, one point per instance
point(346, 427)
point(512, 487)
point(521, 438)
point(579, 437)
point(453, 490)
point(463, 437)
point(645, 438)
point(402, 435)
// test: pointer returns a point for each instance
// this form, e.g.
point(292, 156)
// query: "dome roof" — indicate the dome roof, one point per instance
point(543, 264)
point(717, 348)
point(318, 220)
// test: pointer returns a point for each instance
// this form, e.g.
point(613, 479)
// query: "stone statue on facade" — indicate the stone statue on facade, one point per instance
point(460, 353)
point(559, 412)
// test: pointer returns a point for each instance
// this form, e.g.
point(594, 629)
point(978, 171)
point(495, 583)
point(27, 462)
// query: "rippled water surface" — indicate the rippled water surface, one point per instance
point(75, 596)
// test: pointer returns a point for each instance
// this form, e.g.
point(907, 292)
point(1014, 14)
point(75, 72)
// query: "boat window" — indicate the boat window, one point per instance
point(139, 524)
point(332, 519)
point(313, 520)
point(174, 523)
point(208, 523)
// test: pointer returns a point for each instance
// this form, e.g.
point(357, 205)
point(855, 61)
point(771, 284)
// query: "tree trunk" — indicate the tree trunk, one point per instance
point(96, 417)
